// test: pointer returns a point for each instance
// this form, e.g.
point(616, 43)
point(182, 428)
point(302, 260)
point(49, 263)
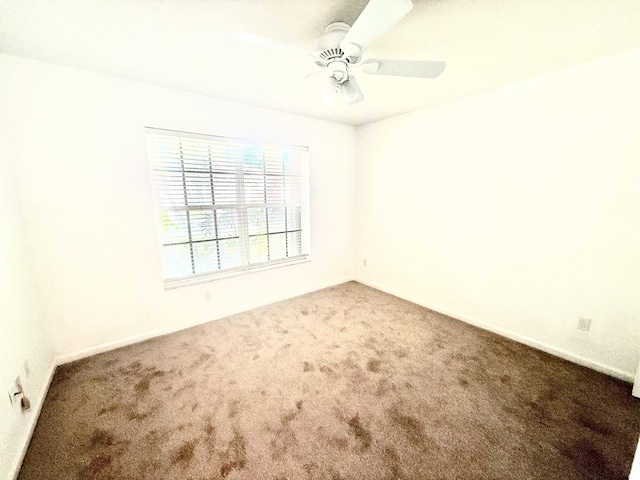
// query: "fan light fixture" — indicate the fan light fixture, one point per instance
point(351, 92)
point(329, 90)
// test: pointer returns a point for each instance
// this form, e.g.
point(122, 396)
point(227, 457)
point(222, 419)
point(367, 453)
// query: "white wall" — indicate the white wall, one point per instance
point(517, 209)
point(24, 332)
point(635, 468)
point(82, 167)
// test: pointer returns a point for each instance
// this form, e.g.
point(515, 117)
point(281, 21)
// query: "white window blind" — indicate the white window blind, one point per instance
point(226, 205)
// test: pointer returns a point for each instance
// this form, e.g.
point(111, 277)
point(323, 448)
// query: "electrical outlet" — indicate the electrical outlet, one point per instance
point(584, 324)
point(207, 296)
point(364, 262)
point(27, 370)
point(15, 392)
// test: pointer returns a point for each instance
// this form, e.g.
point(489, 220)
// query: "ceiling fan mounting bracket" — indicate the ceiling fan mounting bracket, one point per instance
point(338, 27)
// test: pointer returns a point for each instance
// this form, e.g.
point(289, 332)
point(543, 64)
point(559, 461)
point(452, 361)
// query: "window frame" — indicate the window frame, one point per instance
point(241, 208)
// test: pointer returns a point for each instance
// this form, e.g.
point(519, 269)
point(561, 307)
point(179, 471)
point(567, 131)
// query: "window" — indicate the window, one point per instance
point(226, 205)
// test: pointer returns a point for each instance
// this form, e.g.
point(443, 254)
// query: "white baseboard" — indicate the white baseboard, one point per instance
point(123, 342)
point(558, 352)
point(37, 408)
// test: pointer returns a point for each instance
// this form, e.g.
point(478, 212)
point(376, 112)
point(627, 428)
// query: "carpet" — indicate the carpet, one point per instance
point(343, 383)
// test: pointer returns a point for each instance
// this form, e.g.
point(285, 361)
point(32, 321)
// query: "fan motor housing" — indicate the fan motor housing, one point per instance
point(327, 47)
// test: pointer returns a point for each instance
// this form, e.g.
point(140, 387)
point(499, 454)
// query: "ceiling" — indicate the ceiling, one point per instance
point(185, 44)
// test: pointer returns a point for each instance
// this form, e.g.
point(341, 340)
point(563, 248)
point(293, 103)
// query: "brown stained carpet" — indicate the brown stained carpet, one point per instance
point(343, 383)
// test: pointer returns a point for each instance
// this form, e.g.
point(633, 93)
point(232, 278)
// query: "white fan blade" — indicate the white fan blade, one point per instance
point(351, 93)
point(264, 42)
point(376, 18)
point(403, 68)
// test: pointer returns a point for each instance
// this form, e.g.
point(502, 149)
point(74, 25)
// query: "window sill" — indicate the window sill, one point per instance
point(210, 277)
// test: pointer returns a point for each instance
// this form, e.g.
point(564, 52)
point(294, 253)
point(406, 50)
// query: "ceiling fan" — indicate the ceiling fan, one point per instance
point(341, 47)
